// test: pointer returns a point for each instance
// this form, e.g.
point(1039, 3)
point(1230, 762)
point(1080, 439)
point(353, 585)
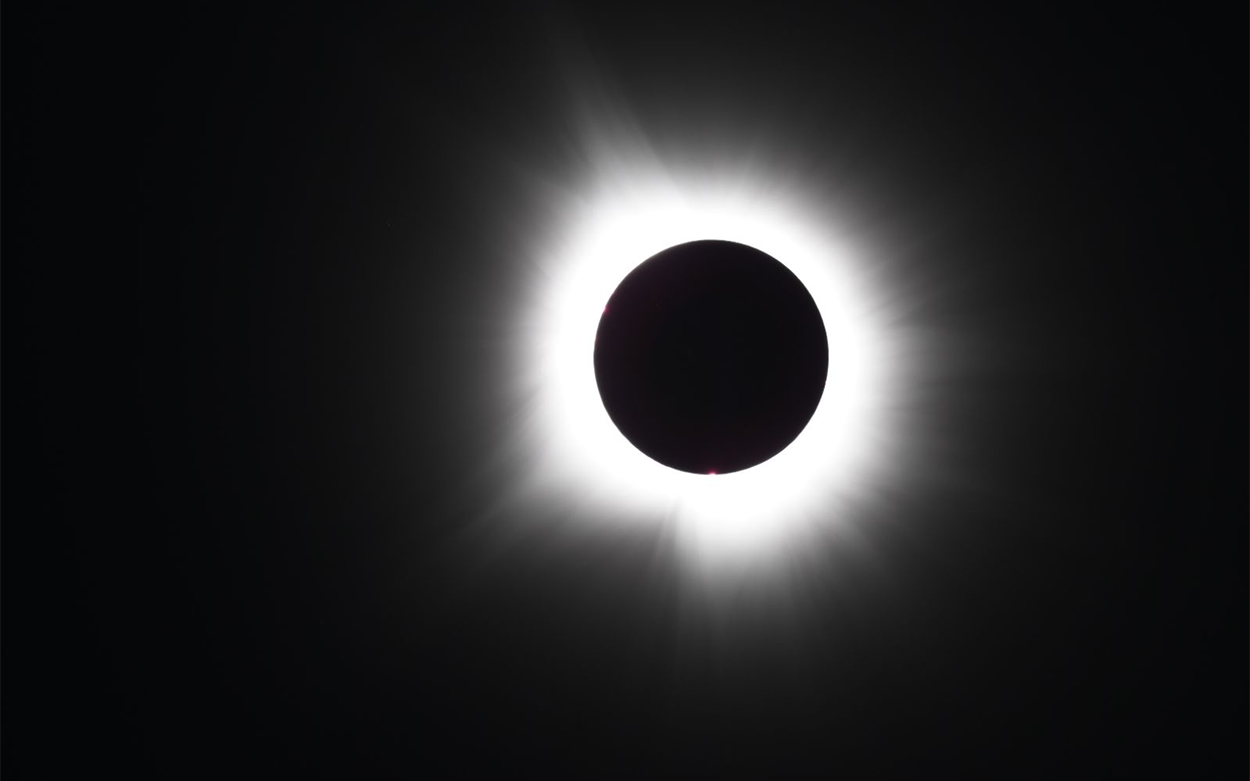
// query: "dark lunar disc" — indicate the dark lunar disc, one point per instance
point(711, 357)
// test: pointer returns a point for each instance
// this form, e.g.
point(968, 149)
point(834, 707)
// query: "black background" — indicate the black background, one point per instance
point(256, 257)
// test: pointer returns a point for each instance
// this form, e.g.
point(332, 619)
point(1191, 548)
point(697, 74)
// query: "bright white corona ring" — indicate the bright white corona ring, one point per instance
point(577, 465)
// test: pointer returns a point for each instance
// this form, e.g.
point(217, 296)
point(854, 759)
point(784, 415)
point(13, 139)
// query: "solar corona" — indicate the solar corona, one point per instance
point(740, 419)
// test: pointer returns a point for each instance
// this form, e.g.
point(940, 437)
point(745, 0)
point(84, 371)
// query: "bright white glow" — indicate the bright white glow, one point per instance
point(582, 473)
point(735, 518)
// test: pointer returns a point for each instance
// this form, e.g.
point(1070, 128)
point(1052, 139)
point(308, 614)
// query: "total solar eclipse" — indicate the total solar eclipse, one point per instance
point(711, 357)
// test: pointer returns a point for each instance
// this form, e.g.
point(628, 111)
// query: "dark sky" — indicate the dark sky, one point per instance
point(261, 264)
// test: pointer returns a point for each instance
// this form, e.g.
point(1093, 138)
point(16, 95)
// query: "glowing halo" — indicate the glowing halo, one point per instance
point(577, 478)
point(575, 449)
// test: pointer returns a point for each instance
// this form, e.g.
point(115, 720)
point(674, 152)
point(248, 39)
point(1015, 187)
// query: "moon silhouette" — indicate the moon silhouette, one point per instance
point(711, 357)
